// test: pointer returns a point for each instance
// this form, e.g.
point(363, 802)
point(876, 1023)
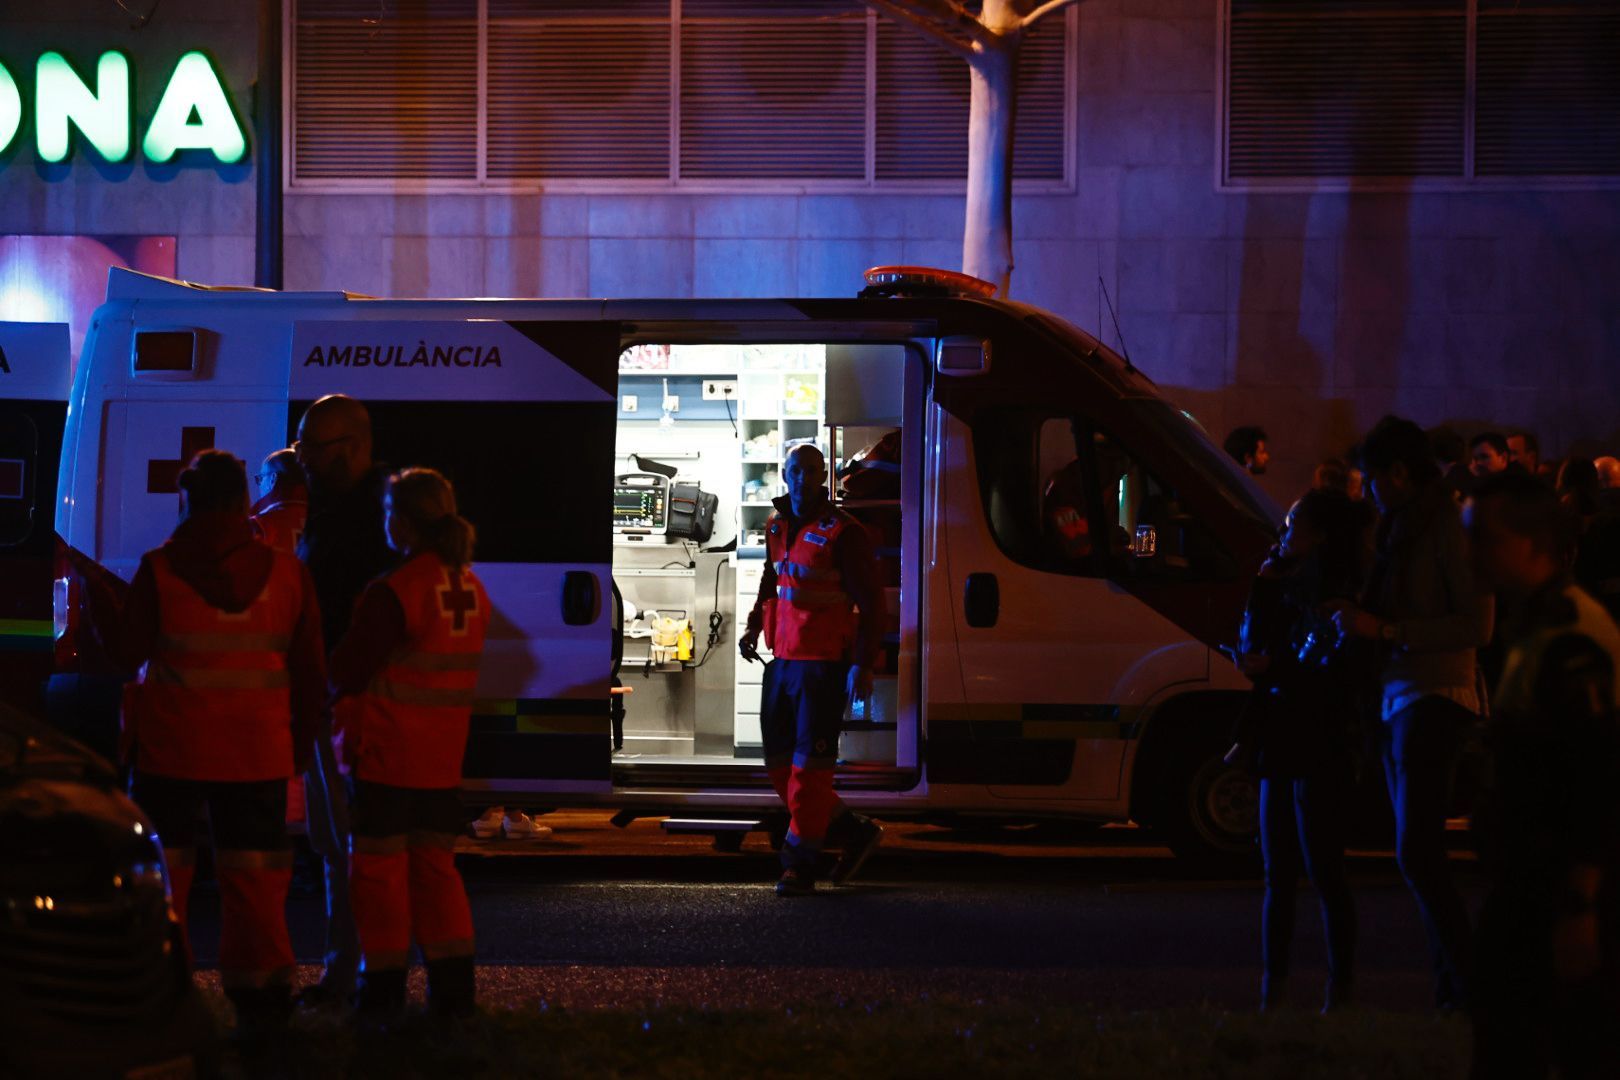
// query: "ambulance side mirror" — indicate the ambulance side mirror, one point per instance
point(962, 356)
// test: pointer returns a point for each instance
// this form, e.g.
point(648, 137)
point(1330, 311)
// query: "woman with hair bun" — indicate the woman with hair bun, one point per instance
point(406, 671)
point(225, 634)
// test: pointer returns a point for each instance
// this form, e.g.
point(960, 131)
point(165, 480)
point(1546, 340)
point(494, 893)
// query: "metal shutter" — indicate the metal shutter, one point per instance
point(922, 106)
point(1346, 88)
point(773, 90)
point(578, 89)
point(1547, 88)
point(385, 92)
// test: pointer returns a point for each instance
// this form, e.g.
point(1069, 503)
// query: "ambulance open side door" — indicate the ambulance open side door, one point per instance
point(520, 416)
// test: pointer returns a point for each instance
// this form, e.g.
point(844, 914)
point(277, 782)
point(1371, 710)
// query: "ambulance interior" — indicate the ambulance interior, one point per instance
point(703, 432)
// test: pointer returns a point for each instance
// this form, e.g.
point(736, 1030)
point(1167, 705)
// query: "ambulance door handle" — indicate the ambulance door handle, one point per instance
point(581, 598)
point(981, 600)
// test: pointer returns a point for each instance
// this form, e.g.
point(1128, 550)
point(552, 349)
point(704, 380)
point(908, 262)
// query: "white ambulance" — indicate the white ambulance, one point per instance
point(1063, 549)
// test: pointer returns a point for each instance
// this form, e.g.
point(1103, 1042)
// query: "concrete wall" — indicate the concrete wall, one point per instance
point(1309, 314)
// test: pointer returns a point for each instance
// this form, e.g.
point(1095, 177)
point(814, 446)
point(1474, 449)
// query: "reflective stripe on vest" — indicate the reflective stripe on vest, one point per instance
point(409, 726)
point(213, 701)
point(811, 617)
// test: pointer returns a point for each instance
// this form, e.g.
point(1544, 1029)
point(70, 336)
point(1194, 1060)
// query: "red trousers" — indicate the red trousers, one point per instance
point(403, 881)
point(801, 711)
point(252, 862)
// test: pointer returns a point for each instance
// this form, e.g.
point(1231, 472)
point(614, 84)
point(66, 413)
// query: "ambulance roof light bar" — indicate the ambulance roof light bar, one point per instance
point(923, 281)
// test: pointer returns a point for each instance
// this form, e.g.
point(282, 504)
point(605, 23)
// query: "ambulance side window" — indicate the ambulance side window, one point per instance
point(1038, 490)
point(1151, 534)
point(1062, 496)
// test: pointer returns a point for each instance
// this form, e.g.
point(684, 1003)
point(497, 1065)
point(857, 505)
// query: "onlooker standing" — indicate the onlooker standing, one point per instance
point(345, 548)
point(1597, 554)
point(1524, 450)
point(1488, 452)
point(283, 507)
point(1608, 469)
point(1300, 726)
point(1451, 453)
point(1547, 985)
point(1247, 447)
point(1422, 604)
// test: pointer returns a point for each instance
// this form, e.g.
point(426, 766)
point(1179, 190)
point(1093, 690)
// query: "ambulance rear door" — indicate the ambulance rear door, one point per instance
point(520, 416)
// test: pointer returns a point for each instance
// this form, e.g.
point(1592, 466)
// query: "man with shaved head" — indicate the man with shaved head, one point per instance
point(820, 608)
point(345, 547)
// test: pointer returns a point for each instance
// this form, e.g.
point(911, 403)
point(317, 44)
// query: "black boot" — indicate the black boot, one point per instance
point(381, 997)
point(451, 987)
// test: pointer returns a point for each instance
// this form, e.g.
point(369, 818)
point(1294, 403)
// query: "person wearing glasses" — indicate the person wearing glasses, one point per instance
point(345, 548)
point(283, 507)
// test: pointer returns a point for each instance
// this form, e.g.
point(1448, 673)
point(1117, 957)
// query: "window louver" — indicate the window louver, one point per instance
point(1332, 88)
point(386, 93)
point(578, 90)
point(776, 98)
point(1548, 89)
point(922, 106)
point(589, 91)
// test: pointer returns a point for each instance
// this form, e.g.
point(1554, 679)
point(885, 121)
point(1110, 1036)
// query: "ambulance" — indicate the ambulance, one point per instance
point(1063, 550)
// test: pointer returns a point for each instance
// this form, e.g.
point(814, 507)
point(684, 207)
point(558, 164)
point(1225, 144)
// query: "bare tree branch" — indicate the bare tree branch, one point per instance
point(950, 16)
point(903, 14)
point(1049, 8)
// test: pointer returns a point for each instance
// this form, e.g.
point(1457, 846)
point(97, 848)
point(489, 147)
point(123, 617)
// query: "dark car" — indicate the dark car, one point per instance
point(94, 977)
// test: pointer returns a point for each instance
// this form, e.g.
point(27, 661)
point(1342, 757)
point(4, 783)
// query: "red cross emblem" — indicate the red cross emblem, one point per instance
point(163, 477)
point(457, 601)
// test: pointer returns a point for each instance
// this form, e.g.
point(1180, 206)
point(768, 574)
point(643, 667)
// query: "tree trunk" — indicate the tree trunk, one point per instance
point(987, 233)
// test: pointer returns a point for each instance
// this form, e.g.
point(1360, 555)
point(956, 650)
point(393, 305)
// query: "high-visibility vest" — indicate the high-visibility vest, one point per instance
point(280, 524)
point(408, 727)
point(812, 616)
point(213, 702)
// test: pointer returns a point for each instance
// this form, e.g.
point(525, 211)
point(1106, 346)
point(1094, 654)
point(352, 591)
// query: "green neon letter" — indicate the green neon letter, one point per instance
point(10, 108)
point(194, 88)
point(102, 117)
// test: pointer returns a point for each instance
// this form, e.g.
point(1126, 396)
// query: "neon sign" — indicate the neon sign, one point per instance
point(193, 113)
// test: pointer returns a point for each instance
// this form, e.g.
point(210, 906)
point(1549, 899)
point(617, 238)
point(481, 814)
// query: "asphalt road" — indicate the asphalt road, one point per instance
point(598, 916)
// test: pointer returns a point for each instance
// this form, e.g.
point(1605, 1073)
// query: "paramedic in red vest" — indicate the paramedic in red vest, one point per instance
point(279, 515)
point(407, 670)
point(225, 632)
point(820, 568)
point(344, 547)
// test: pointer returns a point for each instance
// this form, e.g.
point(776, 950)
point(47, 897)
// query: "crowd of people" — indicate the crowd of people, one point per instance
point(1469, 596)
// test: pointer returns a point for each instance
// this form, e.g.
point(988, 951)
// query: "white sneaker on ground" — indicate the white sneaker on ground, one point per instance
point(488, 826)
point(520, 826)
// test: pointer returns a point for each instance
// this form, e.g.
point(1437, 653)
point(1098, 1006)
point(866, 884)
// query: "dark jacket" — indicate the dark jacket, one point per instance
point(1301, 719)
point(1423, 581)
point(344, 547)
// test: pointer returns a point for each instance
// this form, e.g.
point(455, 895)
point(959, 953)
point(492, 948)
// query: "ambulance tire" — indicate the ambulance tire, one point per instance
point(1211, 811)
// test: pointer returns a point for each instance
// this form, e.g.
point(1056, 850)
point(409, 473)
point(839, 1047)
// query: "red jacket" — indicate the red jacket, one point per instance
point(214, 558)
point(278, 520)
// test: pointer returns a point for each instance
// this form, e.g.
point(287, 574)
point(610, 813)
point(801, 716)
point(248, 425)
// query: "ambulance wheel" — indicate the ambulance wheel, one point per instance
point(1212, 812)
